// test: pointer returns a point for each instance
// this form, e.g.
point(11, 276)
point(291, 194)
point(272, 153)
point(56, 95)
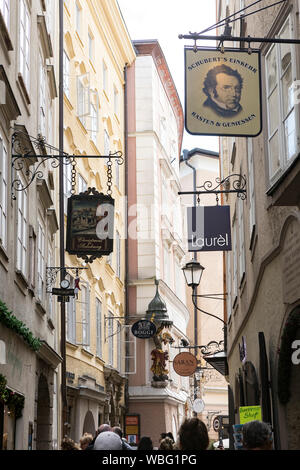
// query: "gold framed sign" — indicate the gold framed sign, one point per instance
point(223, 92)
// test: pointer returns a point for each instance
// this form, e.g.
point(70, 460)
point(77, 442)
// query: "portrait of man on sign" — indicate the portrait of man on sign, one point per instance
point(223, 88)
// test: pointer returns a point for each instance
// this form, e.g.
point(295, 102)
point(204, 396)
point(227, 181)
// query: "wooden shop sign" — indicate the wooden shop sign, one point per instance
point(185, 364)
point(90, 226)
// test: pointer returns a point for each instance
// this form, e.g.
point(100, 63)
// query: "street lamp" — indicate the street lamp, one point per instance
point(193, 273)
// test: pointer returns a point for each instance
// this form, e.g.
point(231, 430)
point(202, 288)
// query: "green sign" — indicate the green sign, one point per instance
point(250, 413)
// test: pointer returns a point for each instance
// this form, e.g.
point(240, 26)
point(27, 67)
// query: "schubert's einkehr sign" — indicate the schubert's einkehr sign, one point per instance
point(222, 92)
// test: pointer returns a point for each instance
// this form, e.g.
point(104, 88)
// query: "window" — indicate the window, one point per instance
point(234, 263)
point(22, 230)
point(41, 261)
point(24, 54)
point(99, 345)
point(110, 339)
point(3, 193)
point(66, 73)
point(94, 123)
point(105, 79)
point(78, 18)
point(42, 99)
point(282, 125)
point(71, 317)
point(251, 186)
point(118, 255)
point(85, 315)
point(116, 101)
point(91, 46)
point(241, 239)
point(82, 184)
point(67, 184)
point(117, 174)
point(166, 265)
point(228, 284)
point(119, 344)
point(50, 262)
point(106, 143)
point(4, 7)
point(32, 259)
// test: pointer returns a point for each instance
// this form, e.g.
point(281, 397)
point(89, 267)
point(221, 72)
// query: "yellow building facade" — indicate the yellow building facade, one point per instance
point(97, 48)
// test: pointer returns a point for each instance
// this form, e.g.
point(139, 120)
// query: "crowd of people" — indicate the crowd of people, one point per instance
point(192, 435)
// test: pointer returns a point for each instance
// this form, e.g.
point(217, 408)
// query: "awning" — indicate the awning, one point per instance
point(218, 361)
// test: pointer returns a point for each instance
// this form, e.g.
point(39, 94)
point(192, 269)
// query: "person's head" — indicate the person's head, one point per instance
point(170, 435)
point(118, 431)
point(193, 435)
point(85, 440)
point(103, 428)
point(257, 435)
point(224, 84)
point(68, 444)
point(166, 444)
point(108, 440)
point(145, 443)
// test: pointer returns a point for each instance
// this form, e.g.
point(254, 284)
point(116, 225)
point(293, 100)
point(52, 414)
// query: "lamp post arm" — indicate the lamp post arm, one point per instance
point(203, 311)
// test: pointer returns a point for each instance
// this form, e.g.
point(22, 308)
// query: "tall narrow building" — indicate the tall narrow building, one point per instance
point(97, 49)
point(158, 397)
point(29, 325)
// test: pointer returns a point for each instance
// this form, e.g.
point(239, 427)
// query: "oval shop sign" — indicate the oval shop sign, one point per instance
point(143, 329)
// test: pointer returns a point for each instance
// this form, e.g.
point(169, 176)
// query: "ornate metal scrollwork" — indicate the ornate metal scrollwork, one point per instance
point(238, 185)
point(212, 347)
point(52, 271)
point(24, 157)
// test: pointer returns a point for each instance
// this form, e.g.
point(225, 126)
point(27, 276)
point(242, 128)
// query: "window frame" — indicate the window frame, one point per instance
point(41, 260)
point(284, 161)
point(22, 229)
point(5, 10)
point(3, 193)
point(24, 46)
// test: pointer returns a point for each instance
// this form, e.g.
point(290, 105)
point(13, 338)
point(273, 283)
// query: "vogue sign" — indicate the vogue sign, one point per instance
point(209, 228)
point(222, 92)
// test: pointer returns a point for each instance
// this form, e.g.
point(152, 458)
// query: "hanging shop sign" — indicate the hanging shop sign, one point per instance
point(198, 405)
point(223, 92)
point(90, 225)
point(250, 413)
point(143, 329)
point(209, 228)
point(185, 364)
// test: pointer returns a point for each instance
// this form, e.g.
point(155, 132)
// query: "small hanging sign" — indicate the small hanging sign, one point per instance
point(90, 225)
point(223, 92)
point(209, 228)
point(185, 364)
point(143, 329)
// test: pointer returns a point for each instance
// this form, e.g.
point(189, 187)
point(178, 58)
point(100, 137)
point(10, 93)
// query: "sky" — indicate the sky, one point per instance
point(164, 20)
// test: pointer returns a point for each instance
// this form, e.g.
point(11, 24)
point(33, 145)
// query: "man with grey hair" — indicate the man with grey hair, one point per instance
point(257, 435)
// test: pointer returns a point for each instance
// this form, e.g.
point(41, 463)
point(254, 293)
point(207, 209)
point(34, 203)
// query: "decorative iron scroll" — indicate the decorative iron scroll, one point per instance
point(24, 157)
point(52, 271)
point(238, 186)
point(213, 347)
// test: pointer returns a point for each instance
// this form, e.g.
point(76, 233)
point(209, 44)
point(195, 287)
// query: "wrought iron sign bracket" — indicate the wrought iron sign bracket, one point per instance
point(238, 185)
point(52, 271)
point(248, 39)
point(24, 156)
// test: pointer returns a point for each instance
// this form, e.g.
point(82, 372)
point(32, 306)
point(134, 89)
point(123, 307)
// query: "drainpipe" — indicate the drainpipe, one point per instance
point(186, 154)
point(126, 235)
point(61, 218)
